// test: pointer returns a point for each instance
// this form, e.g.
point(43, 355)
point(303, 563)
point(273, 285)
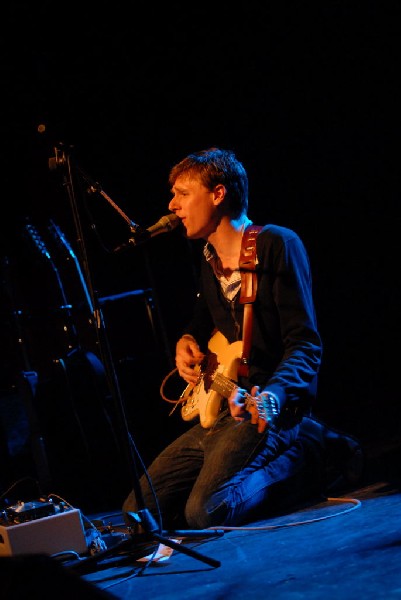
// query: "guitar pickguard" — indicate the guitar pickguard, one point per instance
point(202, 401)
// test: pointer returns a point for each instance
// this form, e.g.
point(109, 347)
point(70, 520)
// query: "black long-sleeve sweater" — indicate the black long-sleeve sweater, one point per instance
point(286, 347)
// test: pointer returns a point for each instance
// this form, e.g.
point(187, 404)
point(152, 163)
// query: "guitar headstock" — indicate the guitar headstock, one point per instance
point(37, 240)
point(268, 407)
point(61, 239)
point(264, 410)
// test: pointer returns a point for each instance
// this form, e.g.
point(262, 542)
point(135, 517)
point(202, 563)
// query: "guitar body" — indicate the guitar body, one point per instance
point(202, 401)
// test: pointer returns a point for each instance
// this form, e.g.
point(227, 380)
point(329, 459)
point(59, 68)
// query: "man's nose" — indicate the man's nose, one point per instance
point(171, 204)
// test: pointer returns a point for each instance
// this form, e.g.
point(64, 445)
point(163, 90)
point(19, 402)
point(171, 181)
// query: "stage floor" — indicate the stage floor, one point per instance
point(342, 546)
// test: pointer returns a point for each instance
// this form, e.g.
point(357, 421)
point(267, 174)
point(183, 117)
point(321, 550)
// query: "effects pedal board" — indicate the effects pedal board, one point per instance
point(41, 527)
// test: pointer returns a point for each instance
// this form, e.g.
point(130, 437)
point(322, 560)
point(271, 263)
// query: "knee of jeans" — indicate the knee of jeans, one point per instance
point(199, 516)
point(195, 514)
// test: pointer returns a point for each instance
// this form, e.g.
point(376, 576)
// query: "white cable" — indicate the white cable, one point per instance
point(356, 504)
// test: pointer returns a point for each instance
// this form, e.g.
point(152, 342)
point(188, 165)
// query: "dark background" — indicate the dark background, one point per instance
point(307, 96)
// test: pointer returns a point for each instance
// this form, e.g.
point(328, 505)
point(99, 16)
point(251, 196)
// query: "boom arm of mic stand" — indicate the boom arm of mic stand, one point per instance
point(135, 228)
point(95, 187)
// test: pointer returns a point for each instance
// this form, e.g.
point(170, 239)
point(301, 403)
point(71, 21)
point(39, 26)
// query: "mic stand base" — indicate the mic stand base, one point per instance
point(147, 523)
point(147, 531)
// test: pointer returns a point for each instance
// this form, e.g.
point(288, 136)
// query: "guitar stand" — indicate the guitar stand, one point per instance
point(141, 518)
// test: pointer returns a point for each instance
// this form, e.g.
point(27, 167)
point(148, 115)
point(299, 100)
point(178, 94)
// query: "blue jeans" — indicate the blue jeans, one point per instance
point(218, 476)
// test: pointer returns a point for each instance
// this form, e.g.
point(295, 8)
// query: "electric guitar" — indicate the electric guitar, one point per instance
point(217, 380)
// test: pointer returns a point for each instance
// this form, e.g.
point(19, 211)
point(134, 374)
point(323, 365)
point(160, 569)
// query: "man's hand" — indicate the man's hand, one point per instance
point(237, 405)
point(254, 406)
point(187, 357)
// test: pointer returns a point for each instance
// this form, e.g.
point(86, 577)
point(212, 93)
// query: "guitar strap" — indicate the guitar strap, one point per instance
point(249, 284)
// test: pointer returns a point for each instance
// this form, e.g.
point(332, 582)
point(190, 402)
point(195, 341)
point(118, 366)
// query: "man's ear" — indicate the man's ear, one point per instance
point(219, 193)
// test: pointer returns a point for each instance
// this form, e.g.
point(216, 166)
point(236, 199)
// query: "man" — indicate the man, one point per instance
point(261, 447)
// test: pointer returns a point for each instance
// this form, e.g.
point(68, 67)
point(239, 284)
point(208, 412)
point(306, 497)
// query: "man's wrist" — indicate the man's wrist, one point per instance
point(188, 336)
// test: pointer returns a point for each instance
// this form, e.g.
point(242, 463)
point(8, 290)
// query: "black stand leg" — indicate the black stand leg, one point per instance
point(133, 543)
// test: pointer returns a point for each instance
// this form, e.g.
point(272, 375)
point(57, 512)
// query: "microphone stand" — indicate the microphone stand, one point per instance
point(96, 187)
point(143, 517)
point(137, 232)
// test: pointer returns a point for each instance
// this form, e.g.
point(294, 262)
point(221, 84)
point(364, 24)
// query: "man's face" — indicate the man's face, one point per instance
point(196, 206)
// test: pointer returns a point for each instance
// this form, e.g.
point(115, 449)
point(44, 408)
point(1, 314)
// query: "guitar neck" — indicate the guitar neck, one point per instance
point(224, 386)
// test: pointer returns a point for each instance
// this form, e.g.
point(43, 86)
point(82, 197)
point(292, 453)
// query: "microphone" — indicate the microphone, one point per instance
point(163, 225)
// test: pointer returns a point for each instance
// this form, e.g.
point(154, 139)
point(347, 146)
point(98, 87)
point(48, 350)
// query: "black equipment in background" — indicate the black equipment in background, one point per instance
point(61, 386)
